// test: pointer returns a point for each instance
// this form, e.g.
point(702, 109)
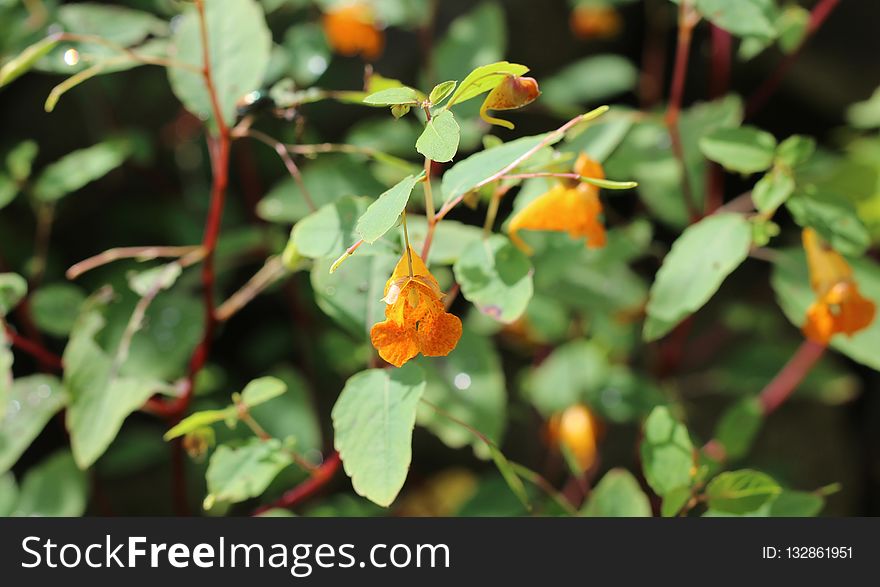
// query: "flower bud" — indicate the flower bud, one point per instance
point(513, 92)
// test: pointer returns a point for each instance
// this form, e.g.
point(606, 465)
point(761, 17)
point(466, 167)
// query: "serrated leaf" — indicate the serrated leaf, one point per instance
point(239, 44)
point(496, 277)
point(740, 492)
point(699, 261)
point(667, 452)
point(745, 149)
point(383, 214)
point(31, 403)
point(439, 140)
point(617, 495)
point(373, 420)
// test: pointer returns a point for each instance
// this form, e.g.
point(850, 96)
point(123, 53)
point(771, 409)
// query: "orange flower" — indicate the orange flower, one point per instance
point(575, 430)
point(415, 319)
point(351, 29)
point(595, 22)
point(565, 208)
point(839, 306)
point(512, 93)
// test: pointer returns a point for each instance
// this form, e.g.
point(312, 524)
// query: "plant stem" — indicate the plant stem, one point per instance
point(46, 357)
point(147, 59)
point(318, 479)
point(687, 20)
point(760, 97)
point(786, 381)
point(292, 168)
point(191, 254)
point(269, 273)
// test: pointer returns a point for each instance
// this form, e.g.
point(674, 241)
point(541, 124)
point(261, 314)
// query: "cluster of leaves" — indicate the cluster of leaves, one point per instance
point(584, 317)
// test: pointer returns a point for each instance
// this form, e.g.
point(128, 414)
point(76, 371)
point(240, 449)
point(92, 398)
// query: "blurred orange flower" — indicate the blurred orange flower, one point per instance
point(415, 319)
point(512, 93)
point(575, 430)
point(351, 30)
point(595, 21)
point(565, 208)
point(839, 306)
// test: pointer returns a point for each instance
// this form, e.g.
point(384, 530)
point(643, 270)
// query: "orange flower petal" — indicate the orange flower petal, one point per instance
point(595, 22)
point(395, 342)
point(562, 209)
point(352, 30)
point(575, 429)
point(439, 336)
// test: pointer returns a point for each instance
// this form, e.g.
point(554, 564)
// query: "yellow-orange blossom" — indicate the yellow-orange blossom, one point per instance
point(415, 319)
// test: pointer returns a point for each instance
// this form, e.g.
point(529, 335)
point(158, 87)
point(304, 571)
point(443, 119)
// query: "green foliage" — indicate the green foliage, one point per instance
point(439, 141)
point(373, 420)
point(700, 259)
point(588, 81)
point(31, 402)
point(617, 495)
point(383, 214)
point(238, 46)
point(236, 473)
point(20, 65)
point(55, 487)
point(13, 288)
point(745, 149)
point(738, 427)
point(574, 373)
point(740, 492)
point(55, 307)
point(496, 277)
point(667, 453)
point(79, 168)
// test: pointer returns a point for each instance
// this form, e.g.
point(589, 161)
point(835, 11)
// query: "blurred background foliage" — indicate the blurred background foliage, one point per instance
point(139, 175)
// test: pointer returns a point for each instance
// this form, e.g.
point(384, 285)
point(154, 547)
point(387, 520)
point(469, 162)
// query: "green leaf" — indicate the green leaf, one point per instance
point(54, 488)
point(865, 114)
point(469, 385)
point(101, 396)
point(291, 414)
point(483, 79)
point(13, 288)
point(237, 473)
point(8, 190)
point(796, 504)
point(146, 283)
point(740, 492)
point(441, 91)
point(21, 64)
point(600, 138)
point(327, 180)
point(55, 306)
point(20, 160)
point(451, 238)
point(467, 173)
point(773, 190)
point(617, 495)
point(392, 96)
point(836, 221)
point(373, 420)
point(496, 277)
point(667, 452)
point(261, 390)
point(588, 81)
point(699, 261)
point(8, 494)
point(790, 281)
point(352, 295)
point(118, 24)
point(743, 18)
point(31, 403)
point(674, 500)
point(6, 360)
point(795, 150)
point(745, 149)
point(509, 474)
point(79, 168)
point(308, 54)
point(439, 141)
point(239, 44)
point(738, 427)
point(201, 419)
point(382, 214)
point(571, 374)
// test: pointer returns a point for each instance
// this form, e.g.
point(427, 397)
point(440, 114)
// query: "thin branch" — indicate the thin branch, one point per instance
point(289, 163)
point(318, 479)
point(139, 253)
point(139, 57)
point(760, 97)
point(46, 357)
point(271, 271)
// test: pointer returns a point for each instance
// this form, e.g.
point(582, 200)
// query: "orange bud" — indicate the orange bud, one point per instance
point(513, 92)
point(575, 429)
point(351, 29)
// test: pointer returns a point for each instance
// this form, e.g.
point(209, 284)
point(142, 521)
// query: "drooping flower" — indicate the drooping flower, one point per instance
point(575, 430)
point(351, 29)
point(839, 307)
point(575, 209)
point(512, 93)
point(595, 21)
point(415, 319)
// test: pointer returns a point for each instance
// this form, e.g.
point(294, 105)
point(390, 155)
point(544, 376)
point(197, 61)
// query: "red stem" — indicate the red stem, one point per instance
point(47, 359)
point(758, 99)
point(791, 375)
point(719, 75)
point(319, 478)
